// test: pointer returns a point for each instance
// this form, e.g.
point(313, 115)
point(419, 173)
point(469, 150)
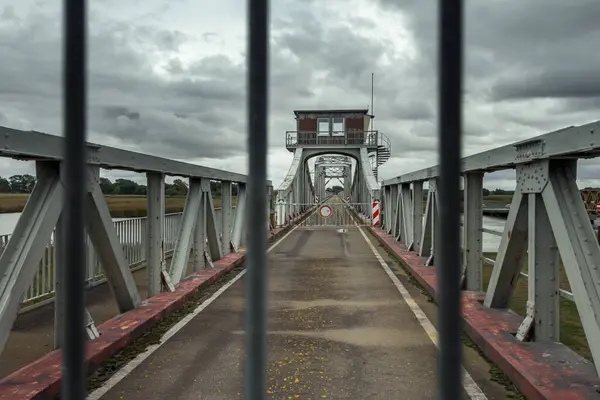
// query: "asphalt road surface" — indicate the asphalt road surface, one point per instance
point(338, 329)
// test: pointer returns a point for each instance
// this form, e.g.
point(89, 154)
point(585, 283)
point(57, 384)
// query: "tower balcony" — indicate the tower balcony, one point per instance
point(341, 139)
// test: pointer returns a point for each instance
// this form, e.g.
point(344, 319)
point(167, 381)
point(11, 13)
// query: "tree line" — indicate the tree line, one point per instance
point(486, 192)
point(25, 183)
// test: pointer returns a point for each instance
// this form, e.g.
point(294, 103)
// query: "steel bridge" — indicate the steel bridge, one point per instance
point(341, 304)
point(296, 294)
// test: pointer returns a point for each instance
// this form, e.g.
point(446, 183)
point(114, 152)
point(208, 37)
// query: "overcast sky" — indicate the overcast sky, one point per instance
point(167, 77)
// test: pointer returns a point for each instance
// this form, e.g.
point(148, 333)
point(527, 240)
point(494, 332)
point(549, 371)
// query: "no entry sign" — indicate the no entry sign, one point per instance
point(325, 211)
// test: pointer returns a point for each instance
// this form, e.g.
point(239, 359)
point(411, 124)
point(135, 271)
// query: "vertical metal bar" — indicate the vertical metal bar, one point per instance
point(154, 231)
point(74, 106)
point(449, 131)
point(256, 281)
point(226, 213)
point(59, 282)
point(90, 258)
point(473, 236)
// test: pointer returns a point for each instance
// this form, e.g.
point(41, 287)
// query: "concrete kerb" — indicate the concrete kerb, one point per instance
point(538, 370)
point(41, 379)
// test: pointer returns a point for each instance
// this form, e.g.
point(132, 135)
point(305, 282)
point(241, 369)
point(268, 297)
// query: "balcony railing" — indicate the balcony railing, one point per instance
point(304, 138)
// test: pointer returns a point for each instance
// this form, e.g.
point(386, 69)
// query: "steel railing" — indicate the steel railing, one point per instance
point(360, 137)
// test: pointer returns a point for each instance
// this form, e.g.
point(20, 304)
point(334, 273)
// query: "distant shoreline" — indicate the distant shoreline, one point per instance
point(120, 206)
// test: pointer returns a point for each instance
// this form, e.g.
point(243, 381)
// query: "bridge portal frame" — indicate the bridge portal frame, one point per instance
point(298, 189)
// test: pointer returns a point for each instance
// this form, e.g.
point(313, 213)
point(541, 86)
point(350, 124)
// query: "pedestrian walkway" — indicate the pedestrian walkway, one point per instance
point(339, 328)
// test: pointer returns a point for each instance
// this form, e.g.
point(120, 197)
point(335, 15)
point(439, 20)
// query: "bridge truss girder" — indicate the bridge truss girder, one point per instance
point(547, 220)
point(328, 168)
point(297, 191)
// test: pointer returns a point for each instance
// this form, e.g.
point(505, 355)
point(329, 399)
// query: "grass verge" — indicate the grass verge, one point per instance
point(497, 199)
point(120, 206)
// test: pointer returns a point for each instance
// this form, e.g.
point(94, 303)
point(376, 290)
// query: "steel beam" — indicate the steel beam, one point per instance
point(392, 217)
point(406, 214)
point(59, 279)
point(20, 259)
point(108, 247)
point(417, 216)
point(212, 233)
point(42, 146)
point(398, 225)
point(183, 244)
point(472, 234)
point(155, 225)
point(199, 246)
point(578, 247)
point(543, 316)
point(435, 220)
point(240, 213)
point(510, 258)
point(575, 141)
point(226, 215)
point(426, 236)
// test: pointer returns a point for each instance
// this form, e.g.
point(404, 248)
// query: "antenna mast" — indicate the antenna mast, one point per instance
point(372, 111)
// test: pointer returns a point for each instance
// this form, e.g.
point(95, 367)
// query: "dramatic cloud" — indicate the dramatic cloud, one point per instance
point(169, 77)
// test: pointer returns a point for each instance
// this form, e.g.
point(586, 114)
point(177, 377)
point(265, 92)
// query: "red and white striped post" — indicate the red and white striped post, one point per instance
point(375, 213)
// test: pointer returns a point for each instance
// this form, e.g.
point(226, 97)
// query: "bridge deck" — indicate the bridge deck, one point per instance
point(338, 329)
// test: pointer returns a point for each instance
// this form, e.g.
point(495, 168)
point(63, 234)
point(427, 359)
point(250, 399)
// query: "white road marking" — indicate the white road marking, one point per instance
point(471, 387)
point(131, 365)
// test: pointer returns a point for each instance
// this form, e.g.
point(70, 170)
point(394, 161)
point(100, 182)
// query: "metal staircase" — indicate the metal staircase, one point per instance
point(384, 152)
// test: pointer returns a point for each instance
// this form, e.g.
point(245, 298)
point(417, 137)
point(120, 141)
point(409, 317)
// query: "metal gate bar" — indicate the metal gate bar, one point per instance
point(449, 382)
point(256, 213)
point(74, 106)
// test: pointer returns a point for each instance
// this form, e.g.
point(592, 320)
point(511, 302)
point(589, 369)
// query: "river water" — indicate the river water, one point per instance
point(490, 242)
point(8, 222)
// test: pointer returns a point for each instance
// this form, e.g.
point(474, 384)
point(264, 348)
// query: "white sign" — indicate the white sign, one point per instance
point(325, 211)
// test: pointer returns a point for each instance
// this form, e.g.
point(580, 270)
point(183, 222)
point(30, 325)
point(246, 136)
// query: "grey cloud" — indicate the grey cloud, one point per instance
point(568, 83)
point(129, 103)
point(147, 95)
point(116, 111)
point(538, 48)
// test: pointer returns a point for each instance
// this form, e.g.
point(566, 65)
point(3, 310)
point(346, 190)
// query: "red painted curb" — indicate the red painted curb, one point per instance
point(540, 370)
point(41, 379)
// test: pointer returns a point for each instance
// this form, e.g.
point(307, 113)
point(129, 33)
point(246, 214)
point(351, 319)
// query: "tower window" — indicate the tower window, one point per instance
point(337, 128)
point(323, 126)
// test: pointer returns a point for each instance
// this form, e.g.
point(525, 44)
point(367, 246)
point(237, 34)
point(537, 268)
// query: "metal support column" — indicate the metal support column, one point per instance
point(392, 206)
point(543, 285)
point(417, 216)
point(473, 223)
point(226, 217)
point(240, 215)
point(59, 281)
point(212, 234)
point(428, 231)
point(510, 257)
point(199, 246)
point(406, 214)
point(108, 247)
point(578, 247)
point(183, 245)
point(155, 245)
